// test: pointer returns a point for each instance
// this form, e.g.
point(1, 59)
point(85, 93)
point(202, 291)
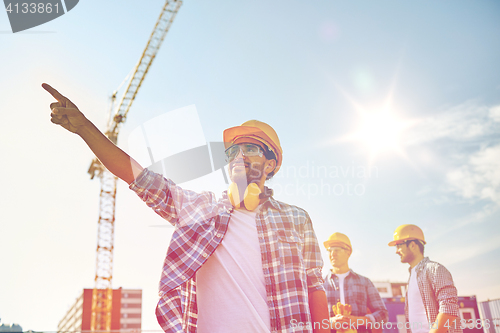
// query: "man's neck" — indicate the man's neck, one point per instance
point(418, 258)
point(340, 270)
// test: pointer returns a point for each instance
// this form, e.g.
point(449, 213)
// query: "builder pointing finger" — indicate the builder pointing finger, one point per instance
point(64, 112)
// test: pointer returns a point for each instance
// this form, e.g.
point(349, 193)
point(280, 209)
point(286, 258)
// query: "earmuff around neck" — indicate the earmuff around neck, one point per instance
point(251, 197)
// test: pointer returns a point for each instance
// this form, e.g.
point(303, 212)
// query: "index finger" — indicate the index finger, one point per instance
point(54, 93)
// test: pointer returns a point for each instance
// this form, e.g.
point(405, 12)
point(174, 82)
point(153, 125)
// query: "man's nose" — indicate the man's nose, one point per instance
point(240, 154)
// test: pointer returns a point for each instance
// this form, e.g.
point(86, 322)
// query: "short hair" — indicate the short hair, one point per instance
point(419, 244)
point(270, 155)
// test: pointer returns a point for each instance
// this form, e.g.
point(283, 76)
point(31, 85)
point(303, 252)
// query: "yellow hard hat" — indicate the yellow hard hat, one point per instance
point(407, 232)
point(337, 239)
point(256, 130)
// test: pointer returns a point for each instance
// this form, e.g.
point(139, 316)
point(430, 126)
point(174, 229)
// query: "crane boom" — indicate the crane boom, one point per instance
point(161, 28)
point(102, 294)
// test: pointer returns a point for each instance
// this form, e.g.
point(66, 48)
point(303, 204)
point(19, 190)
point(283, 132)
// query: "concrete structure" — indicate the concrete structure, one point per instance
point(126, 311)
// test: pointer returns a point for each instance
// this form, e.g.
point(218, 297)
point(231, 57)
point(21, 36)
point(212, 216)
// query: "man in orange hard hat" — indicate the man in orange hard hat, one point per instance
point(431, 302)
point(243, 263)
point(343, 285)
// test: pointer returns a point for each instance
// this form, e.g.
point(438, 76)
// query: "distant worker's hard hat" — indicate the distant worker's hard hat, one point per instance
point(256, 130)
point(338, 239)
point(407, 232)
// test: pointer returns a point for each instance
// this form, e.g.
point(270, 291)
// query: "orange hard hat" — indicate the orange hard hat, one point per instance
point(337, 238)
point(407, 232)
point(256, 130)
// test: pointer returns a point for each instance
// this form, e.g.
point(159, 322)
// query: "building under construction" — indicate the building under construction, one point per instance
point(125, 314)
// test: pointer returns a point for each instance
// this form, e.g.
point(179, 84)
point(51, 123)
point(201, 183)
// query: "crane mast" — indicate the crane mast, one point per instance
point(103, 293)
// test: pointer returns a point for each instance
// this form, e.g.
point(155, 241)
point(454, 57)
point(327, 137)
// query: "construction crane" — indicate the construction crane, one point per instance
point(103, 293)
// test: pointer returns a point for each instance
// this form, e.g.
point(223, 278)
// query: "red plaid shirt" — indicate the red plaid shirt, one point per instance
point(291, 258)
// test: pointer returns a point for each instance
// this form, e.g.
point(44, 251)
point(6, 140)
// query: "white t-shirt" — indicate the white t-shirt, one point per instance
point(342, 292)
point(341, 286)
point(416, 309)
point(230, 286)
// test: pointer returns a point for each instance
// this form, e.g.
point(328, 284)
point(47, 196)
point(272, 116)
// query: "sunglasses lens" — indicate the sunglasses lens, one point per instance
point(231, 152)
point(251, 150)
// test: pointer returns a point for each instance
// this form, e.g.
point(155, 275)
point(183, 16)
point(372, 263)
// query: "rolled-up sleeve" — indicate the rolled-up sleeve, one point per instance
point(446, 293)
point(375, 304)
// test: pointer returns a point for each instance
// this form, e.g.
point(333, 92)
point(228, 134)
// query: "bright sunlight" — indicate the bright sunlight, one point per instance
point(380, 131)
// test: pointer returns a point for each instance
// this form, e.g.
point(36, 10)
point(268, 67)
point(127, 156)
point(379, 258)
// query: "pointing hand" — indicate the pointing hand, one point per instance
point(64, 112)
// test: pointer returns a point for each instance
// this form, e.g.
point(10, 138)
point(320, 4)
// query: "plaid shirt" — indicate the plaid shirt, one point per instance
point(438, 292)
point(291, 258)
point(360, 293)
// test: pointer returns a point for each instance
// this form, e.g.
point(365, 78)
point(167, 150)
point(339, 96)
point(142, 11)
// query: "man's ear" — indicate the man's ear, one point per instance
point(270, 166)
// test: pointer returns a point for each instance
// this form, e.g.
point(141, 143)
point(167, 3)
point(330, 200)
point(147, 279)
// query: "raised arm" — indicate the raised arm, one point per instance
point(67, 115)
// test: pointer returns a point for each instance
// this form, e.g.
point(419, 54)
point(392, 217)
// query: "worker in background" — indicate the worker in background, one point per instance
point(347, 287)
point(243, 263)
point(431, 302)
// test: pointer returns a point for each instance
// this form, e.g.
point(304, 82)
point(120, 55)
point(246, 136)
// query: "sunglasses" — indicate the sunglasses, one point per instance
point(337, 249)
point(247, 149)
point(404, 243)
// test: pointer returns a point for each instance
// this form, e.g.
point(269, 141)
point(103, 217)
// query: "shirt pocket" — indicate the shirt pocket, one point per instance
point(290, 247)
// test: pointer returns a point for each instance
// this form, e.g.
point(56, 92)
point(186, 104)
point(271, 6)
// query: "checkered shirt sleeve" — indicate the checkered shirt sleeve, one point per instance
point(375, 303)
point(176, 205)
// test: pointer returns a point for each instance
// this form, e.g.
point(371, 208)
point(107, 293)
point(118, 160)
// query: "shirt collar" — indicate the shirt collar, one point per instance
point(350, 271)
point(271, 201)
point(421, 264)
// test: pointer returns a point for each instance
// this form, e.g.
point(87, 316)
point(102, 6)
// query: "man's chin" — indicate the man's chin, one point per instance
point(238, 177)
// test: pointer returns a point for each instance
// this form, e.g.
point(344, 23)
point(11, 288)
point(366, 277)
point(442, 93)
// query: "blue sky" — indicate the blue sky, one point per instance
point(315, 71)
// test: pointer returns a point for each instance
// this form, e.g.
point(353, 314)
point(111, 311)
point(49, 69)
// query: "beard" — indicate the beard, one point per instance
point(407, 258)
point(253, 173)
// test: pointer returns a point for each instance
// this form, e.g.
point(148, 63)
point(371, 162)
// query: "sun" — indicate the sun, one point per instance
point(380, 130)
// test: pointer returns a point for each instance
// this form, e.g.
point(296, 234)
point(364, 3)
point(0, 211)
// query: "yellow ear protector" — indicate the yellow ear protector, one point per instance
point(251, 198)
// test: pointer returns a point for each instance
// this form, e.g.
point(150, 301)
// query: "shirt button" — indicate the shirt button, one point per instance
point(219, 235)
point(204, 255)
point(161, 293)
point(183, 277)
point(291, 237)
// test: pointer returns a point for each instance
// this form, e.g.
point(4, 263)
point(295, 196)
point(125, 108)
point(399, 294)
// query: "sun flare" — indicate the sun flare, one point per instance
point(380, 130)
